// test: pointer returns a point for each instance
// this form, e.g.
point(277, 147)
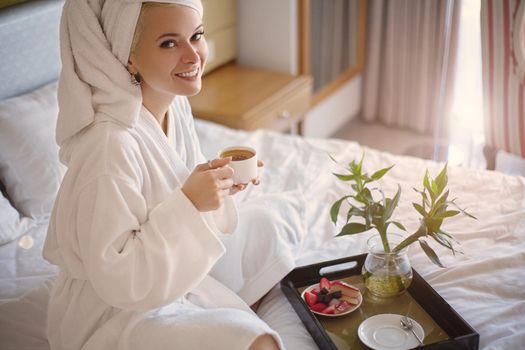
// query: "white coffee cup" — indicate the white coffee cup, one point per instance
point(244, 163)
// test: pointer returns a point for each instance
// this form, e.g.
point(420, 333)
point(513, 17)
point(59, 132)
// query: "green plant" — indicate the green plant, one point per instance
point(374, 209)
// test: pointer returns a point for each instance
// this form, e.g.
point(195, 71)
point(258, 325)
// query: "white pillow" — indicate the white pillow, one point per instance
point(510, 164)
point(12, 225)
point(29, 165)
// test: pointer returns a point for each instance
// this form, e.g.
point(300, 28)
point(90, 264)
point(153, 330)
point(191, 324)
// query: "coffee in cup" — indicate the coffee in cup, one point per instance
point(244, 163)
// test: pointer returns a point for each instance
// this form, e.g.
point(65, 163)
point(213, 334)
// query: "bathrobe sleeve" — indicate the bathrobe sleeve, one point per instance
point(225, 217)
point(137, 258)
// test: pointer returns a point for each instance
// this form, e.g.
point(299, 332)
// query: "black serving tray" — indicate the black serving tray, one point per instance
point(444, 327)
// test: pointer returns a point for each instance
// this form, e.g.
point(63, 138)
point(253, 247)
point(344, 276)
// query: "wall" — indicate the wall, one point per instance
point(267, 34)
point(339, 108)
point(220, 17)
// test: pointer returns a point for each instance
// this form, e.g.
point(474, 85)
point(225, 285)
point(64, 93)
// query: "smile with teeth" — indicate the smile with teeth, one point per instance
point(189, 74)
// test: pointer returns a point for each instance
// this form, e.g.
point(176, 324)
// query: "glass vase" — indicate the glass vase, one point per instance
point(386, 274)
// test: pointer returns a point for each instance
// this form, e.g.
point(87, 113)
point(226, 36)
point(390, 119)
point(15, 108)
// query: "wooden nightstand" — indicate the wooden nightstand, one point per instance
point(248, 99)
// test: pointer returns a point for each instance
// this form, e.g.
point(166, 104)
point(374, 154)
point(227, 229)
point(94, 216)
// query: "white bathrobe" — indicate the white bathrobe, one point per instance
point(135, 255)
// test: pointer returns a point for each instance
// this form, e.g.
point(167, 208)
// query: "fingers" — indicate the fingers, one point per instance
point(220, 162)
point(239, 187)
point(225, 184)
point(213, 164)
point(220, 178)
point(202, 167)
point(223, 173)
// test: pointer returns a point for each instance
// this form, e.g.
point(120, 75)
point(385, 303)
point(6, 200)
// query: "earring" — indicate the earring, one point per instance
point(135, 79)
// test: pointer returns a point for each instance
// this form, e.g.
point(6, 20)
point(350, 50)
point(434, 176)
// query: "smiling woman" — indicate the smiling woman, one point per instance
point(142, 227)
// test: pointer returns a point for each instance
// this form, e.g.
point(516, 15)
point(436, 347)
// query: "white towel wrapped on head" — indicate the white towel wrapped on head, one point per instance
point(96, 37)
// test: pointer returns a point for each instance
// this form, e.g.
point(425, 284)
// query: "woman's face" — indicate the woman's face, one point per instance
point(171, 51)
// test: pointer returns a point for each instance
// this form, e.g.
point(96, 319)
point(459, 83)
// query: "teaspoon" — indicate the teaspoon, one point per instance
point(406, 324)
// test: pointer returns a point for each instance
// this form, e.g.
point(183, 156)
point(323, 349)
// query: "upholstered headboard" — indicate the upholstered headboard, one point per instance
point(30, 172)
point(29, 53)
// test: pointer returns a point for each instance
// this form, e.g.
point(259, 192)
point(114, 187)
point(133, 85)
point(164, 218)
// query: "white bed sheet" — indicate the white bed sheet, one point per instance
point(486, 285)
point(22, 267)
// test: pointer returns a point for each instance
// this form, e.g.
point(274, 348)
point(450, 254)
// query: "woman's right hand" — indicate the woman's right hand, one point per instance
point(208, 184)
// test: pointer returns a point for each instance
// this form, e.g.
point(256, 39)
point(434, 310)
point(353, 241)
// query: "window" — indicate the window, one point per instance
point(466, 125)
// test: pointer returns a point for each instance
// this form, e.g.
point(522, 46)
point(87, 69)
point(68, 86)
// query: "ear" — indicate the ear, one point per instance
point(131, 64)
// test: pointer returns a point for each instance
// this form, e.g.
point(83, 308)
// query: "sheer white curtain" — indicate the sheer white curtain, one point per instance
point(410, 63)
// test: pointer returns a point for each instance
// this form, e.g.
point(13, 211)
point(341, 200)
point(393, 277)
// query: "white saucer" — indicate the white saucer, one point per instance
point(384, 332)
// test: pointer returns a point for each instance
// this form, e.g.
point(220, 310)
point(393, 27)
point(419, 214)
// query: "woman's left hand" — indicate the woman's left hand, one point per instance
point(241, 187)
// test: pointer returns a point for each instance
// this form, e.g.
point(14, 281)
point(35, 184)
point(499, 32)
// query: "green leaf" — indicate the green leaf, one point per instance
point(380, 173)
point(448, 235)
point(438, 210)
point(368, 216)
point(430, 253)
point(350, 214)
point(367, 194)
point(442, 179)
point(377, 211)
point(353, 211)
point(433, 224)
point(424, 198)
point(420, 209)
point(442, 240)
point(390, 206)
point(399, 225)
point(334, 210)
point(359, 198)
point(427, 186)
point(463, 211)
point(355, 187)
point(421, 231)
point(352, 229)
point(426, 183)
point(343, 177)
point(360, 164)
point(435, 188)
point(440, 205)
point(448, 213)
point(354, 167)
point(443, 198)
point(367, 179)
point(332, 158)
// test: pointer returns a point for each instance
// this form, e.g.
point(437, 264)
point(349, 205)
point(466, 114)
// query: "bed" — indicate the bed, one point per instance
point(485, 285)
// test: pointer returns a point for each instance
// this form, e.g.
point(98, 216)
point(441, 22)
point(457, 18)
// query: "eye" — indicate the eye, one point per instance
point(168, 44)
point(197, 36)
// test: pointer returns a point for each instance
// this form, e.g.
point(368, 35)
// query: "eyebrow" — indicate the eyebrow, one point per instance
point(177, 35)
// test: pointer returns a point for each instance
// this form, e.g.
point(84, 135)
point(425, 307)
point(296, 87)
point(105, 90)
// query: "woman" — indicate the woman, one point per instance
point(136, 235)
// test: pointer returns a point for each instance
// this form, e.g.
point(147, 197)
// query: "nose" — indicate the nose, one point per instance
point(190, 54)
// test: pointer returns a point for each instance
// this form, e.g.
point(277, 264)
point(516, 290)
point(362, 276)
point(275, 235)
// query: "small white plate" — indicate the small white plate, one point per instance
point(384, 332)
point(350, 309)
